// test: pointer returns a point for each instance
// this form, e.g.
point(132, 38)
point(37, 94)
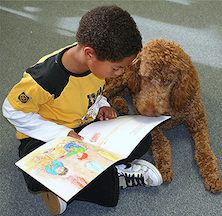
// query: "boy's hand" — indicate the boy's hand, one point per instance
point(75, 135)
point(106, 113)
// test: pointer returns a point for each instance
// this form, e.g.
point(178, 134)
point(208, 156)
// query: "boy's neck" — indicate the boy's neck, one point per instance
point(74, 60)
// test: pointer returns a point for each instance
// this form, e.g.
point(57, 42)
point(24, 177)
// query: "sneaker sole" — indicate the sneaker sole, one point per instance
point(152, 167)
point(55, 205)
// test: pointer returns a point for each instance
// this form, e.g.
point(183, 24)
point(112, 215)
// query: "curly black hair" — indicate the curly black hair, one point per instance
point(111, 32)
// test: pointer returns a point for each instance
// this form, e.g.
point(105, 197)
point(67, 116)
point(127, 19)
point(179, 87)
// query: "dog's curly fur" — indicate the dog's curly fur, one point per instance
point(163, 81)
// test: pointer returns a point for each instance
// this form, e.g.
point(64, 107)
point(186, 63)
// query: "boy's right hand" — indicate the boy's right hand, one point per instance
point(75, 135)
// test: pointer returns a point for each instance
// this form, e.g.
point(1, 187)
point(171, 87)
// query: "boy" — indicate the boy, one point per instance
point(62, 93)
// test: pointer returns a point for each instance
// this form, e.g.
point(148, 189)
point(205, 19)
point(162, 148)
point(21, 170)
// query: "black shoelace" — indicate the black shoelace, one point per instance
point(134, 180)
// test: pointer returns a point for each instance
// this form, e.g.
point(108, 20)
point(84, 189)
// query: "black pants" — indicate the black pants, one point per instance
point(104, 190)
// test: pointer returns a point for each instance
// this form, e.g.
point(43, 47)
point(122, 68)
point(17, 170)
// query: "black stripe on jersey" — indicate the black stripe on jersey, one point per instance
point(51, 75)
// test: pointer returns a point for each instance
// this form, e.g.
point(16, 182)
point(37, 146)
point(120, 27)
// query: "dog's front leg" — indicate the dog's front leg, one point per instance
point(204, 155)
point(161, 153)
point(115, 88)
point(120, 104)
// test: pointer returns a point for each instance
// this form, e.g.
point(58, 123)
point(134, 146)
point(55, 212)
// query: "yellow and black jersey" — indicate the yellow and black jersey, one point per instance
point(56, 94)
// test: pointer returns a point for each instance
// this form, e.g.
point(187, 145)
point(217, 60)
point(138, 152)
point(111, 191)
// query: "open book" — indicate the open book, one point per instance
point(65, 165)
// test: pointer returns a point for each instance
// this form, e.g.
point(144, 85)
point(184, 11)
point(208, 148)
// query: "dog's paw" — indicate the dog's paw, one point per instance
point(123, 110)
point(213, 185)
point(167, 176)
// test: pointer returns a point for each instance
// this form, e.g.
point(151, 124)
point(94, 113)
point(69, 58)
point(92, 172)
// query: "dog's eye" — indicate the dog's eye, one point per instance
point(166, 81)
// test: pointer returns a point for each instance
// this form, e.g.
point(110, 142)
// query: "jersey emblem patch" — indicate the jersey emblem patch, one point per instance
point(24, 98)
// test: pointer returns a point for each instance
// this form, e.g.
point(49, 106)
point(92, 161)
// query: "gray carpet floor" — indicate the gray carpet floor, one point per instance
point(31, 29)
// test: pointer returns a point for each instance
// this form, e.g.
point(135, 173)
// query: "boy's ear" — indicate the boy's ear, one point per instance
point(89, 52)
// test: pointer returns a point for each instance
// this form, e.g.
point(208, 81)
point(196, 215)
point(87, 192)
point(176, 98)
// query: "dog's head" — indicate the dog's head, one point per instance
point(161, 76)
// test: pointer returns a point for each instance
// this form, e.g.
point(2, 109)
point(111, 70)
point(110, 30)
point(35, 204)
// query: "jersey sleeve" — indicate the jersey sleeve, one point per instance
point(103, 102)
point(28, 96)
point(21, 109)
point(32, 124)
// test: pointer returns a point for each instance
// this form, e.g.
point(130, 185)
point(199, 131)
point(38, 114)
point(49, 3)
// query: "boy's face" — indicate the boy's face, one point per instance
point(60, 170)
point(107, 69)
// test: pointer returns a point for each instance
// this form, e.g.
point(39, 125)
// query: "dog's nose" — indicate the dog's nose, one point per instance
point(150, 112)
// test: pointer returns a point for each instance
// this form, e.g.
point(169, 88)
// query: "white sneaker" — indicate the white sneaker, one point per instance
point(138, 172)
point(55, 204)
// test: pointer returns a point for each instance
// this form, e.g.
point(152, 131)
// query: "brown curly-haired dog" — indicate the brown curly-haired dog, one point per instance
point(163, 81)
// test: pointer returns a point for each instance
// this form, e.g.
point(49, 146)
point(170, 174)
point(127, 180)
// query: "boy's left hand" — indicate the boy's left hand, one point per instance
point(106, 113)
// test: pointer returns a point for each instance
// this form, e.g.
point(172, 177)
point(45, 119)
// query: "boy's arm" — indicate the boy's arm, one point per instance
point(33, 125)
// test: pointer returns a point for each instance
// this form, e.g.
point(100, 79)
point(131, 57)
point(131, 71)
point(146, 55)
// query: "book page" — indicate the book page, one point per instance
point(120, 135)
point(66, 165)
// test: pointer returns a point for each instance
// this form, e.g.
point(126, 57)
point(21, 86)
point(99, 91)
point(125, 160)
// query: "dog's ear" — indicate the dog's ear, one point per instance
point(134, 78)
point(185, 88)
